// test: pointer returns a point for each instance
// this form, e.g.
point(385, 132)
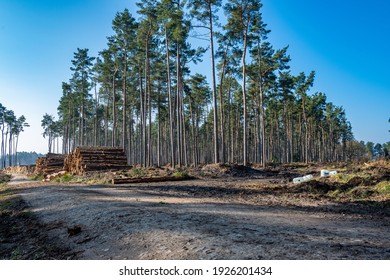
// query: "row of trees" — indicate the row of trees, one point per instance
point(367, 151)
point(11, 126)
point(139, 93)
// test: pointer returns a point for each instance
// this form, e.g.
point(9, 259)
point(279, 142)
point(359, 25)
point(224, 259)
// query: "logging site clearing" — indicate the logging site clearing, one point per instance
point(217, 211)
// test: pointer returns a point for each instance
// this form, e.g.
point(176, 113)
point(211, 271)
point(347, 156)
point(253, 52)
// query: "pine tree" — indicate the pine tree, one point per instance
point(205, 12)
point(243, 15)
point(125, 28)
point(81, 82)
point(146, 39)
point(304, 83)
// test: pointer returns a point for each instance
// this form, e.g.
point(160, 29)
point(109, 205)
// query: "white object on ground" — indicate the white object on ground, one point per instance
point(324, 173)
point(302, 179)
point(307, 177)
point(327, 173)
point(298, 180)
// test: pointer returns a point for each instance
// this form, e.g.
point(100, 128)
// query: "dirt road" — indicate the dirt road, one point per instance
point(202, 219)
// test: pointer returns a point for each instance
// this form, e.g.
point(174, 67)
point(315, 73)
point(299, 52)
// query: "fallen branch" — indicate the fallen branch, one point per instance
point(116, 181)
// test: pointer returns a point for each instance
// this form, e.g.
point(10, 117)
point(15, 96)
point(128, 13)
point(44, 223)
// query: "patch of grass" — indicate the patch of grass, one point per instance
point(181, 174)
point(341, 177)
point(361, 193)
point(136, 172)
point(344, 178)
point(65, 179)
point(99, 178)
point(77, 179)
point(38, 177)
point(383, 188)
point(336, 193)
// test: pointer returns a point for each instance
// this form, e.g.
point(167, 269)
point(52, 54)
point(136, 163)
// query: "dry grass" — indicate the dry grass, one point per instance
point(364, 182)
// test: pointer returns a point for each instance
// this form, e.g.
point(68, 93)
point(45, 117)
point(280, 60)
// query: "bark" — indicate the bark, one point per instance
point(214, 89)
point(113, 142)
point(178, 114)
point(96, 127)
point(262, 118)
point(171, 139)
point(124, 123)
point(245, 160)
point(158, 129)
point(306, 144)
point(223, 158)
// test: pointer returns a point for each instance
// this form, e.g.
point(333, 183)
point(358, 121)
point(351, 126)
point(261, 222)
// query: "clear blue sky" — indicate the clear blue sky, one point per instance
point(345, 42)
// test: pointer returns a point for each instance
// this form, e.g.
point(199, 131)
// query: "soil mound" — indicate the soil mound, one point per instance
point(315, 186)
point(359, 181)
point(228, 170)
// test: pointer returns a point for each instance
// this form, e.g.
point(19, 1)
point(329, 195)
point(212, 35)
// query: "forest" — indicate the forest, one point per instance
point(246, 106)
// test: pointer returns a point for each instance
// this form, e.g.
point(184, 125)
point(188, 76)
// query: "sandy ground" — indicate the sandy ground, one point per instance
point(202, 219)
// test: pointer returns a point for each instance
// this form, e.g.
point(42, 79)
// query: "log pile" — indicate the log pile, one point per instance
point(85, 159)
point(51, 163)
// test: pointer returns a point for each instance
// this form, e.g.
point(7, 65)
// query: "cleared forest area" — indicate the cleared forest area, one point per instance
point(226, 212)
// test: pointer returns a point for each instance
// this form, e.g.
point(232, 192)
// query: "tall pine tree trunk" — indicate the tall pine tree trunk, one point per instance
point(171, 139)
point(113, 141)
point(178, 106)
point(221, 109)
point(124, 123)
point(245, 142)
point(214, 89)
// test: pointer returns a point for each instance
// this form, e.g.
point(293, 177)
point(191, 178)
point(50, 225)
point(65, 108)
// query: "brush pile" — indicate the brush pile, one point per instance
point(85, 159)
point(51, 163)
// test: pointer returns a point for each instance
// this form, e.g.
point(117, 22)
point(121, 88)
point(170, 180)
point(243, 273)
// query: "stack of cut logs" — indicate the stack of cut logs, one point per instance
point(51, 163)
point(84, 159)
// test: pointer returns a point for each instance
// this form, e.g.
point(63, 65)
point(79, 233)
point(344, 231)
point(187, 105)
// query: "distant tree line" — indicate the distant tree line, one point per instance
point(140, 93)
point(11, 126)
point(367, 151)
point(24, 158)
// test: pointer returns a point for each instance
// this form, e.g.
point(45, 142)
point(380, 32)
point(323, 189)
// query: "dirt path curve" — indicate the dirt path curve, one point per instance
point(17, 179)
point(174, 221)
